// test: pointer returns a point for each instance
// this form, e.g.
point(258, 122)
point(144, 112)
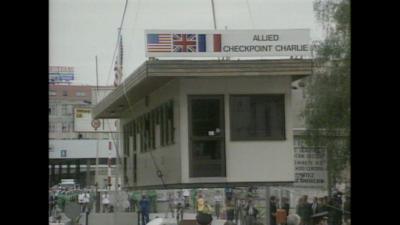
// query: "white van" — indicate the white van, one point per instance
point(68, 183)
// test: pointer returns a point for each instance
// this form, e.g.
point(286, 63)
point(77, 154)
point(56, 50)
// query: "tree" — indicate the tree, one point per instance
point(327, 109)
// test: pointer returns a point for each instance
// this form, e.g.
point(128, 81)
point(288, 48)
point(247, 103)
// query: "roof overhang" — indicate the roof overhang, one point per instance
point(153, 74)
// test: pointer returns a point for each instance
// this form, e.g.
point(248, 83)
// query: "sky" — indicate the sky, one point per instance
point(81, 29)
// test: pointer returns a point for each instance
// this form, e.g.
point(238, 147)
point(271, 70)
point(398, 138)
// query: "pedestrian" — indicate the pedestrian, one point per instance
point(286, 205)
point(347, 209)
point(314, 205)
point(301, 210)
point(86, 201)
point(304, 210)
point(204, 216)
point(186, 196)
point(251, 213)
point(144, 205)
point(127, 204)
point(335, 214)
point(171, 204)
point(57, 215)
point(179, 212)
point(81, 201)
point(135, 200)
point(152, 196)
point(105, 202)
point(293, 219)
point(230, 209)
point(272, 208)
point(320, 205)
point(179, 204)
point(307, 211)
point(240, 212)
point(217, 203)
point(51, 203)
point(194, 194)
point(199, 202)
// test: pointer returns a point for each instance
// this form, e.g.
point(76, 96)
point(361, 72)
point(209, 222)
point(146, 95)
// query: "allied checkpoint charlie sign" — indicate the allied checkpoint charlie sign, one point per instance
point(220, 43)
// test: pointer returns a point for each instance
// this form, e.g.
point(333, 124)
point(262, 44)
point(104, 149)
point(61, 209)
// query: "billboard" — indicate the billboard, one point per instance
point(310, 167)
point(222, 43)
point(61, 73)
point(83, 121)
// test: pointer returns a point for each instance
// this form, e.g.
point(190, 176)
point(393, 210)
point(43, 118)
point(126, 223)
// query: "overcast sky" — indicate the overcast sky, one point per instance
point(82, 29)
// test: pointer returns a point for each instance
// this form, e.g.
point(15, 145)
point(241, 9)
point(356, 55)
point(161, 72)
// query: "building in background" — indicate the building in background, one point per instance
point(73, 141)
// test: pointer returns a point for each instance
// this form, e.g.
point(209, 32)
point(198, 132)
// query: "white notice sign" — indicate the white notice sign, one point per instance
point(246, 43)
point(310, 167)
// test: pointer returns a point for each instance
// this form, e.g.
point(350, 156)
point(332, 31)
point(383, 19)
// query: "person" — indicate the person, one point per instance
point(152, 196)
point(200, 203)
point(57, 215)
point(80, 201)
point(286, 205)
point(320, 205)
point(106, 202)
point(293, 219)
point(135, 198)
point(347, 208)
point(272, 208)
point(186, 195)
point(217, 203)
point(323, 221)
point(179, 212)
point(144, 206)
point(179, 203)
point(194, 194)
point(306, 211)
point(86, 201)
point(301, 210)
point(51, 203)
point(251, 213)
point(230, 209)
point(204, 216)
point(240, 215)
point(314, 205)
point(335, 214)
point(127, 204)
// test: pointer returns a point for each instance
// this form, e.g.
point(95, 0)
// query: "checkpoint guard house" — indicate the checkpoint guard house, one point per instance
point(212, 123)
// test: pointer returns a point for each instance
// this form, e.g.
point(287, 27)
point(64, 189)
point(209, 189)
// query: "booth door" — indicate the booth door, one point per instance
point(207, 136)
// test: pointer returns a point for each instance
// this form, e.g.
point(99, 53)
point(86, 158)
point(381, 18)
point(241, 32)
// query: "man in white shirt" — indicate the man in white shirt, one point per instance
point(105, 201)
point(86, 201)
point(81, 201)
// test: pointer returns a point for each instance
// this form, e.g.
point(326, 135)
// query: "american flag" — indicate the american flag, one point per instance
point(184, 43)
point(159, 42)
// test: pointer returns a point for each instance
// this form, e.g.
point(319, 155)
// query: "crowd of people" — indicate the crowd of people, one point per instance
point(324, 210)
point(234, 209)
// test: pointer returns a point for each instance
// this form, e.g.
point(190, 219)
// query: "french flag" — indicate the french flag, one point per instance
point(209, 42)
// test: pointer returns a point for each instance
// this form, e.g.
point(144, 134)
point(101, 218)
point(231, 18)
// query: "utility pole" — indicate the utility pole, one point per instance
point(97, 146)
point(213, 11)
point(97, 133)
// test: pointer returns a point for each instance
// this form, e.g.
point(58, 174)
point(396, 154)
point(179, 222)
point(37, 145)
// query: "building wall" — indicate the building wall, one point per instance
point(166, 157)
point(246, 161)
point(79, 146)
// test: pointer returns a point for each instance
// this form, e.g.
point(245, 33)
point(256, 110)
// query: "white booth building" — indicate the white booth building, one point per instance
point(206, 122)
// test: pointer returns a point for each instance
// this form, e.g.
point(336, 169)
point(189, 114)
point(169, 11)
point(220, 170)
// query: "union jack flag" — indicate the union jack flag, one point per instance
point(184, 43)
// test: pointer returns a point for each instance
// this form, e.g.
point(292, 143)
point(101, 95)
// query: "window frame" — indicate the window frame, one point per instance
point(281, 96)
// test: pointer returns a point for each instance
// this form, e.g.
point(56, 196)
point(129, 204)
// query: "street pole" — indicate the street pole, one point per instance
point(213, 11)
point(267, 208)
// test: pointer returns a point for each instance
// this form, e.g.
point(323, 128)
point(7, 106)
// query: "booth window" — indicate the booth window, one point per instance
point(257, 117)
